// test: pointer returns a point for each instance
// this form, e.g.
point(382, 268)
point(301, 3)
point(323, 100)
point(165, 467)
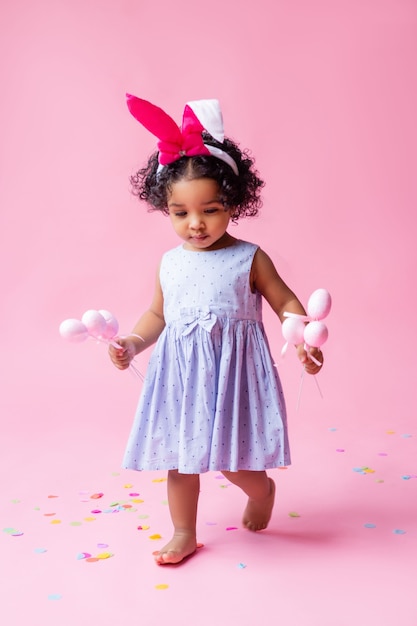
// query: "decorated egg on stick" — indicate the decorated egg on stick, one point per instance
point(292, 331)
point(112, 325)
point(319, 304)
point(73, 330)
point(315, 334)
point(95, 323)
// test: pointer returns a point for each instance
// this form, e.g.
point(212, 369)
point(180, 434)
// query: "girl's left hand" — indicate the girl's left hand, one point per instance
point(309, 365)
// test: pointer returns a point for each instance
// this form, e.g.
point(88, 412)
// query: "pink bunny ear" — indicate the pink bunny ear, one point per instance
point(154, 119)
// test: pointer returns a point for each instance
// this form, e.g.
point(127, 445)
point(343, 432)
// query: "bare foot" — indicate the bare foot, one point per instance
point(258, 512)
point(182, 545)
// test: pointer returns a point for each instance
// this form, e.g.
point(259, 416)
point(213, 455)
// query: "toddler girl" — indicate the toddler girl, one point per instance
point(211, 399)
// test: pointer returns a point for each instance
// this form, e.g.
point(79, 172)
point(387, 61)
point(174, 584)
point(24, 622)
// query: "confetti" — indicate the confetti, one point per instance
point(242, 565)
point(104, 555)
point(40, 550)
point(339, 450)
point(156, 536)
point(159, 480)
point(96, 496)
point(134, 495)
point(294, 514)
point(83, 555)
point(102, 545)
point(143, 527)
point(161, 586)
point(398, 531)
point(54, 596)
point(232, 528)
point(128, 486)
point(370, 525)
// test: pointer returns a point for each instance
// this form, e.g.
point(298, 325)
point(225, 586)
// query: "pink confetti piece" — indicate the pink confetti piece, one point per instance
point(231, 528)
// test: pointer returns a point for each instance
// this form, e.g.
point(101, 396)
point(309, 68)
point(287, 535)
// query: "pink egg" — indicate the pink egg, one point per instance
point(112, 325)
point(73, 330)
point(293, 330)
point(319, 304)
point(315, 334)
point(95, 322)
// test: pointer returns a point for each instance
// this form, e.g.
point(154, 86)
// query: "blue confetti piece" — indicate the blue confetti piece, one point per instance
point(54, 596)
point(241, 566)
point(406, 477)
point(40, 550)
point(370, 525)
point(398, 531)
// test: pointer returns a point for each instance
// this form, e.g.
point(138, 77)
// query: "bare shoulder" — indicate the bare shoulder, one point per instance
point(266, 280)
point(263, 269)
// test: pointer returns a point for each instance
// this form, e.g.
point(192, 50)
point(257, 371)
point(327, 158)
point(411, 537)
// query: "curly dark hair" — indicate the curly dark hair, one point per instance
point(240, 193)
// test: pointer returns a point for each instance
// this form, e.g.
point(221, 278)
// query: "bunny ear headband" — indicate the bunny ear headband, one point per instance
point(187, 140)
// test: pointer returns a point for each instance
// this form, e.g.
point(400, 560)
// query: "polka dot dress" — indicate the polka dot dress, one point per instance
point(211, 399)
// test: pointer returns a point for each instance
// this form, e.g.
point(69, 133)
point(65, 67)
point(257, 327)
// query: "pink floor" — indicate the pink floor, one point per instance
point(340, 550)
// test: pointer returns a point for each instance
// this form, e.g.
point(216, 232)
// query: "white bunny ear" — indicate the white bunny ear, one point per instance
point(210, 116)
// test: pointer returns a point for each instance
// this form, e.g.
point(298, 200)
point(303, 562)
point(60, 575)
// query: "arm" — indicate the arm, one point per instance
point(149, 327)
point(266, 280)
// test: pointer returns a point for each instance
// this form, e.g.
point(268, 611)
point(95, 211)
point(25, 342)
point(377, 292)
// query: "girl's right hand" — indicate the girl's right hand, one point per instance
point(122, 357)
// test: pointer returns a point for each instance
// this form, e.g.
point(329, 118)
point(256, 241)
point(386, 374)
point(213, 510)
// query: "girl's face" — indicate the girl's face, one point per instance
point(197, 214)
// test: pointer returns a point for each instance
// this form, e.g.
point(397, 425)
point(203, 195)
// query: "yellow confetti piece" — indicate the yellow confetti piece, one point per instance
point(137, 501)
point(56, 521)
point(159, 480)
point(104, 555)
point(143, 527)
point(390, 432)
point(89, 519)
point(128, 486)
point(156, 536)
point(162, 586)
point(293, 514)
point(368, 470)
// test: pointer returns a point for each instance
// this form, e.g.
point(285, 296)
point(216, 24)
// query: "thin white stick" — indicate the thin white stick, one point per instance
point(300, 389)
point(318, 386)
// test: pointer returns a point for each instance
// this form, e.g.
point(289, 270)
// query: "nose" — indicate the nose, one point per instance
point(196, 222)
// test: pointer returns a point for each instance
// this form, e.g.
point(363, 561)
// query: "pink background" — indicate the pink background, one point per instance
point(324, 93)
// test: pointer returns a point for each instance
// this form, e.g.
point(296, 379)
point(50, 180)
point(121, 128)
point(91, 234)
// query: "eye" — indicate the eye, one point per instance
point(211, 211)
point(180, 213)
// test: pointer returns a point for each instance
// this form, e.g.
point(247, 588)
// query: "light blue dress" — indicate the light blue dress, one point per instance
point(211, 399)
